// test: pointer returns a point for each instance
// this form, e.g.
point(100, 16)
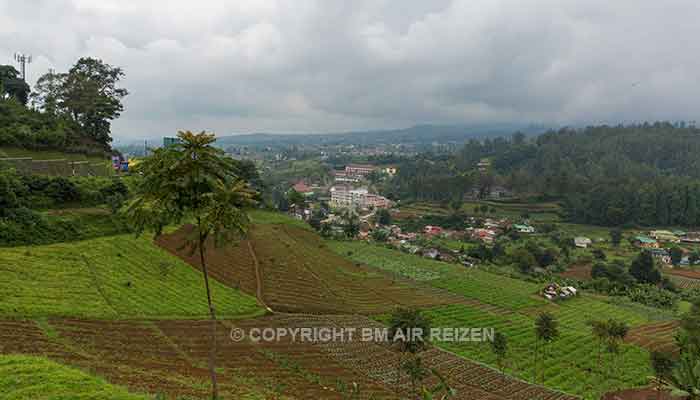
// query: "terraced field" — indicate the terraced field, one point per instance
point(298, 273)
point(471, 283)
point(657, 336)
point(113, 277)
point(169, 356)
point(685, 282)
point(571, 364)
point(126, 310)
point(36, 378)
point(515, 307)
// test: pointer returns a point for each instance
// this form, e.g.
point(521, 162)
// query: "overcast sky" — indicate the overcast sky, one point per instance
point(327, 65)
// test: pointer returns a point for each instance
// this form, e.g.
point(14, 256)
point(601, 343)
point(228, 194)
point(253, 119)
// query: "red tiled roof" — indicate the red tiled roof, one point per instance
point(301, 187)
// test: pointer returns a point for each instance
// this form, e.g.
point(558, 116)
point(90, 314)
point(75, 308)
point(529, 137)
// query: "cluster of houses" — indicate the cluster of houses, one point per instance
point(410, 242)
point(554, 291)
point(654, 238)
point(656, 243)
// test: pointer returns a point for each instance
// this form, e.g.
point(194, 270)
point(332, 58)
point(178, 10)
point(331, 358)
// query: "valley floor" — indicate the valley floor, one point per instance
point(133, 311)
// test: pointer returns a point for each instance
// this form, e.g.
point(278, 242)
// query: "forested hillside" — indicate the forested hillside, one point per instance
point(646, 174)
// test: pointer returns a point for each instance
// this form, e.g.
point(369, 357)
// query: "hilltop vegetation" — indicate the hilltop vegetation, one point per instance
point(24, 200)
point(69, 111)
point(639, 174)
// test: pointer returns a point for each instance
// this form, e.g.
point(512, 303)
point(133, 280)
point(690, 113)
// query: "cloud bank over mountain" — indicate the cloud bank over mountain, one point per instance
point(331, 65)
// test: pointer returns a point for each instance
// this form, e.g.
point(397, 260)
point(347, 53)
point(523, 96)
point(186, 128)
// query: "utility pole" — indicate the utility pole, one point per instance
point(23, 60)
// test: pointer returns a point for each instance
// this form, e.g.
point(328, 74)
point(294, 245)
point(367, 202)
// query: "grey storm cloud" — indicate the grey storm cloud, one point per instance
point(332, 65)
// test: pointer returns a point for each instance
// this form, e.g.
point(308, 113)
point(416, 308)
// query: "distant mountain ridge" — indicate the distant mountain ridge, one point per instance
point(418, 134)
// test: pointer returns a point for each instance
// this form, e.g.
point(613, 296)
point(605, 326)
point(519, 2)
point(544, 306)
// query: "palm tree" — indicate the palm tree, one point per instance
point(499, 346)
point(442, 391)
point(193, 181)
point(685, 378)
point(662, 364)
point(351, 222)
point(408, 329)
point(600, 331)
point(617, 331)
point(546, 330)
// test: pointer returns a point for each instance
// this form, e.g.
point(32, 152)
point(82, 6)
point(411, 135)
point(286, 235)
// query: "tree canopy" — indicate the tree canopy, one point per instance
point(72, 110)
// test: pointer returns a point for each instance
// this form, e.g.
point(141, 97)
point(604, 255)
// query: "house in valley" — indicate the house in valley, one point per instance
point(664, 236)
point(582, 242)
point(303, 188)
point(645, 242)
point(523, 228)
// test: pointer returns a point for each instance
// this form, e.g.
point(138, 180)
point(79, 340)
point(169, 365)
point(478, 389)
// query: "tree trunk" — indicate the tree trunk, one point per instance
point(600, 366)
point(544, 360)
point(398, 374)
point(212, 314)
point(537, 342)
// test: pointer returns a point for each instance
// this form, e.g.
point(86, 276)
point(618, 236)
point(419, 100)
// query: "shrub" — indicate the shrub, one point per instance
point(653, 296)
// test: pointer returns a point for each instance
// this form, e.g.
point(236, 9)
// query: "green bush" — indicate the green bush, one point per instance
point(653, 296)
point(22, 226)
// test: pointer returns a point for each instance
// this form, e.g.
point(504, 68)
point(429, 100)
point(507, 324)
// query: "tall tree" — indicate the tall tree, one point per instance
point(676, 255)
point(616, 333)
point(383, 216)
point(662, 364)
point(408, 329)
point(195, 181)
point(616, 237)
point(12, 85)
point(499, 347)
point(685, 378)
point(643, 269)
point(92, 98)
point(600, 332)
point(546, 331)
point(351, 222)
point(48, 95)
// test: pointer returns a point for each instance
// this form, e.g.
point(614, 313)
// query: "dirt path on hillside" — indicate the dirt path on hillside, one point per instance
point(258, 278)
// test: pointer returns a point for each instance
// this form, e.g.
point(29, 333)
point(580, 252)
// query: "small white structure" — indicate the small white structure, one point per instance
point(582, 242)
point(522, 228)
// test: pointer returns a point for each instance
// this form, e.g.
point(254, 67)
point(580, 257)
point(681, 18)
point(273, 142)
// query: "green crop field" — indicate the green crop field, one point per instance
point(24, 377)
point(571, 364)
point(468, 282)
point(539, 212)
point(264, 217)
point(111, 277)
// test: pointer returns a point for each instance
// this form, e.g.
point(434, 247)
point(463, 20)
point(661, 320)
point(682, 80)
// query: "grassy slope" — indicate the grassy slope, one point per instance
point(111, 277)
point(472, 283)
point(572, 355)
point(264, 217)
point(23, 377)
point(12, 152)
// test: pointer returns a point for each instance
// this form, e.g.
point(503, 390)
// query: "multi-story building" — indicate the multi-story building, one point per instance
point(344, 177)
point(359, 169)
point(376, 201)
point(344, 196)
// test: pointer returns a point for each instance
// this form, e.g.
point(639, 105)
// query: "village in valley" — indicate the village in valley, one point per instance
point(482, 226)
